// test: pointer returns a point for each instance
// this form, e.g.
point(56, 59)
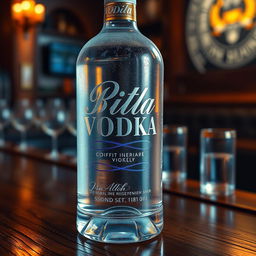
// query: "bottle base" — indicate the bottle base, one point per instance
point(120, 225)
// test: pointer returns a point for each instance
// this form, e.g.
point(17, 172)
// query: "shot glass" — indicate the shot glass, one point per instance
point(174, 154)
point(217, 165)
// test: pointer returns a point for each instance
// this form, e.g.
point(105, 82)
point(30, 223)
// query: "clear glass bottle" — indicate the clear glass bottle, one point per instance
point(119, 129)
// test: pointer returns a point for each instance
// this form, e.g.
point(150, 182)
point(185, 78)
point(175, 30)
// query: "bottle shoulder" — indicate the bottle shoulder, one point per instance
point(119, 43)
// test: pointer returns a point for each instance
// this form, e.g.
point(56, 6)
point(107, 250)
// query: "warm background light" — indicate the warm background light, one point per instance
point(16, 11)
point(26, 5)
point(17, 7)
point(28, 13)
point(39, 12)
point(39, 8)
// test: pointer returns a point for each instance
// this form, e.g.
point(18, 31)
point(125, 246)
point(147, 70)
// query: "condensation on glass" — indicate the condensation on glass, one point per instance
point(119, 129)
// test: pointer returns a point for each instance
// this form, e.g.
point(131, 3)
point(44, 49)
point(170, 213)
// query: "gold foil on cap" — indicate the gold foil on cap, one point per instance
point(120, 11)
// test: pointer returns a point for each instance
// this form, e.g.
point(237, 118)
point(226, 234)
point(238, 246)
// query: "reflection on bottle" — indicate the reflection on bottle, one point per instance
point(150, 248)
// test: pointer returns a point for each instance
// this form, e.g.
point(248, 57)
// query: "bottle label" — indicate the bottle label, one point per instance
point(120, 11)
point(123, 129)
point(109, 99)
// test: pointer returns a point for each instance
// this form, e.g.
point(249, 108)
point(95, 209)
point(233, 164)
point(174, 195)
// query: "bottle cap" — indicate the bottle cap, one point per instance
point(120, 1)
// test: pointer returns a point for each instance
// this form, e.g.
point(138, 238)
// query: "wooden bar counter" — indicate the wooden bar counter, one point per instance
point(38, 215)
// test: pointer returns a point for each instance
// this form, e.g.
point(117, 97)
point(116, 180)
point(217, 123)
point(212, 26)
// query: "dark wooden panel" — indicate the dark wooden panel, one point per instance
point(6, 32)
point(184, 83)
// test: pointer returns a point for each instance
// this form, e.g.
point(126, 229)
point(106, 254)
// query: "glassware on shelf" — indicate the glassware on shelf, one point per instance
point(39, 112)
point(54, 123)
point(71, 120)
point(5, 116)
point(23, 118)
point(217, 162)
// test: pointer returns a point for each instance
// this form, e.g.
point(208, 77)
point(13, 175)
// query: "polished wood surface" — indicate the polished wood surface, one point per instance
point(39, 154)
point(38, 212)
point(240, 200)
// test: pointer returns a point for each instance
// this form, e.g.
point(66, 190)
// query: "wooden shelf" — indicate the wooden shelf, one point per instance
point(54, 95)
point(242, 144)
point(247, 144)
point(240, 200)
point(218, 98)
point(39, 154)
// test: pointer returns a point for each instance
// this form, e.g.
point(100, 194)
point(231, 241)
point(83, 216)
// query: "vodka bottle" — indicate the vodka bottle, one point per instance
point(119, 123)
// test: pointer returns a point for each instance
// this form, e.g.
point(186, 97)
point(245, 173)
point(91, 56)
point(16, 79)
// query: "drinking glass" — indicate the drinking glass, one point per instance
point(217, 166)
point(174, 154)
point(5, 115)
point(39, 112)
point(22, 120)
point(54, 123)
point(71, 120)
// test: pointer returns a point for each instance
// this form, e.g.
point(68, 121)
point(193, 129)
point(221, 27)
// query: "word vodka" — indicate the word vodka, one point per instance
point(119, 141)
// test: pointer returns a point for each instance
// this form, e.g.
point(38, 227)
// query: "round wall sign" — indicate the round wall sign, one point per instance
point(221, 33)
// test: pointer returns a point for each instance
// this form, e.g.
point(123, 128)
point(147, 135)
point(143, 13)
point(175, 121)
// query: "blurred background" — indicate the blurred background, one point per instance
point(209, 49)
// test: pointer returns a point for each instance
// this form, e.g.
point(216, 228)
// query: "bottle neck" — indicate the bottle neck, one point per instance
point(120, 15)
